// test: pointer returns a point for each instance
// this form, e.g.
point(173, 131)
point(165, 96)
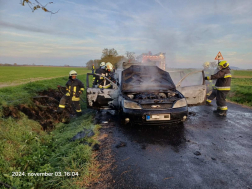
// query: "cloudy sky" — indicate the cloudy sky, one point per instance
point(189, 32)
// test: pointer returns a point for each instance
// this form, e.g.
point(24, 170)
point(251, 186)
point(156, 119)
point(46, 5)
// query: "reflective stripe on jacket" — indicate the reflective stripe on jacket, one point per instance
point(74, 87)
point(223, 77)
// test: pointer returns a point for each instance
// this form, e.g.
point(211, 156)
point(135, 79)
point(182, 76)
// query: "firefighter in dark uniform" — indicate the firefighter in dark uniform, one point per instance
point(93, 68)
point(74, 88)
point(222, 85)
point(102, 71)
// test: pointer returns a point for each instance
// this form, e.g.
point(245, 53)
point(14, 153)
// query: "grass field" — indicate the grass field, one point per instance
point(241, 74)
point(241, 91)
point(241, 87)
point(14, 75)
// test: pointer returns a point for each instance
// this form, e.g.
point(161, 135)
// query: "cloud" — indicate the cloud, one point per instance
point(188, 32)
point(32, 29)
point(245, 21)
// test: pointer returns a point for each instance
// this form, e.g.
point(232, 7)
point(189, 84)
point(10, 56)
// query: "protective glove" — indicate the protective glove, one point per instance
point(205, 78)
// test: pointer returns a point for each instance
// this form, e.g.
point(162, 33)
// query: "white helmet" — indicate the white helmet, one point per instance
point(109, 66)
point(102, 64)
point(206, 64)
point(72, 72)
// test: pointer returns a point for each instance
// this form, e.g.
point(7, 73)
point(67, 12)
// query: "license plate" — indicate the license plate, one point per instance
point(158, 117)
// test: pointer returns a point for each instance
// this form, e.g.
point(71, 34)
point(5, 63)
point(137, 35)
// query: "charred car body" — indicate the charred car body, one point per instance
point(146, 95)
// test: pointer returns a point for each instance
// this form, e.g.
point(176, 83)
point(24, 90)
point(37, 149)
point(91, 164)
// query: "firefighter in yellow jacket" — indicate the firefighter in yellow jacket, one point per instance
point(74, 89)
point(93, 69)
point(222, 86)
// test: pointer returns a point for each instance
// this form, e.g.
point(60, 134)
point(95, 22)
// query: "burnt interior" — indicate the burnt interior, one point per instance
point(164, 100)
point(157, 95)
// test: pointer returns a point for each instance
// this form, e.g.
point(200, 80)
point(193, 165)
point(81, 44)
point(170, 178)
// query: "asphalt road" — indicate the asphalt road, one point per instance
point(205, 152)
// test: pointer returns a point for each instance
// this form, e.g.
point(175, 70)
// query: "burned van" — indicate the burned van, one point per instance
point(146, 95)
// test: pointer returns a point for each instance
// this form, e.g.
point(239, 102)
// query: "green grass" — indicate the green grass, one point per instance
point(241, 73)
point(241, 91)
point(23, 93)
point(25, 148)
point(20, 74)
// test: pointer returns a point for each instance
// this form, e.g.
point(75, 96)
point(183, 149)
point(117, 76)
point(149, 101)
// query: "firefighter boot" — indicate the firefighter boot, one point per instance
point(78, 114)
point(223, 113)
point(60, 110)
point(208, 103)
point(216, 111)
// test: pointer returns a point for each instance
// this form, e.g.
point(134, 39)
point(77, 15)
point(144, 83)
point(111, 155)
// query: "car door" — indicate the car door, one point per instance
point(99, 98)
point(193, 87)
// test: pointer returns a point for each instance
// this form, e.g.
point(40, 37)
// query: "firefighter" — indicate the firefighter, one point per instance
point(105, 84)
point(102, 71)
point(109, 69)
point(222, 86)
point(93, 68)
point(74, 88)
point(214, 91)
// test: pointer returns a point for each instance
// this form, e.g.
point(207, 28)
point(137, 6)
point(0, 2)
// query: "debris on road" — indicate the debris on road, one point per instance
point(121, 144)
point(83, 134)
point(192, 113)
point(143, 146)
point(197, 153)
point(96, 147)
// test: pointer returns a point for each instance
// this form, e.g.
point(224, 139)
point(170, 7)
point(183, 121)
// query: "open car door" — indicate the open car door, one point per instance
point(193, 87)
point(99, 98)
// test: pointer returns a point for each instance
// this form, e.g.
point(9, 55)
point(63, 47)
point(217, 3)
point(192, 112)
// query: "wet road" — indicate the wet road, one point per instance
point(204, 152)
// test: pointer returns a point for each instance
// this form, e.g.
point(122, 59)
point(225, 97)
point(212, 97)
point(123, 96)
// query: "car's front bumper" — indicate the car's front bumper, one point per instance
point(139, 116)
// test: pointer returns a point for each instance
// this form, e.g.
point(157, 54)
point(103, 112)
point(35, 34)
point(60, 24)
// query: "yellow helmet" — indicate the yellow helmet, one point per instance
point(109, 66)
point(224, 63)
point(206, 64)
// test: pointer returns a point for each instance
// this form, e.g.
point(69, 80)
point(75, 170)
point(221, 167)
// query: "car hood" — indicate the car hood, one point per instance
point(140, 78)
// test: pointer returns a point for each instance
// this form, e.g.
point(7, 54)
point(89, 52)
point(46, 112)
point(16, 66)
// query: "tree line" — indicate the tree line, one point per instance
point(111, 55)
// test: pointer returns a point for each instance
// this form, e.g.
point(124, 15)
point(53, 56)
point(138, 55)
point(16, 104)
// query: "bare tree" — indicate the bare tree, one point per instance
point(89, 64)
point(37, 5)
point(109, 52)
point(130, 56)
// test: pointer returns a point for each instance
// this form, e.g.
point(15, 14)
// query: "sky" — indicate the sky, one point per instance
point(189, 32)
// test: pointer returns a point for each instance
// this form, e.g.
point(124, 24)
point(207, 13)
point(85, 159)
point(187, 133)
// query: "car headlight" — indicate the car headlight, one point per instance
point(131, 105)
point(180, 103)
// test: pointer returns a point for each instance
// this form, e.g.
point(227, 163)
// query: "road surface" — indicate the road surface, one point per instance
point(205, 152)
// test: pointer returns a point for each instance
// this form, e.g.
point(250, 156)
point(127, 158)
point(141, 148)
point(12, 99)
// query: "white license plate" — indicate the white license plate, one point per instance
point(158, 117)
